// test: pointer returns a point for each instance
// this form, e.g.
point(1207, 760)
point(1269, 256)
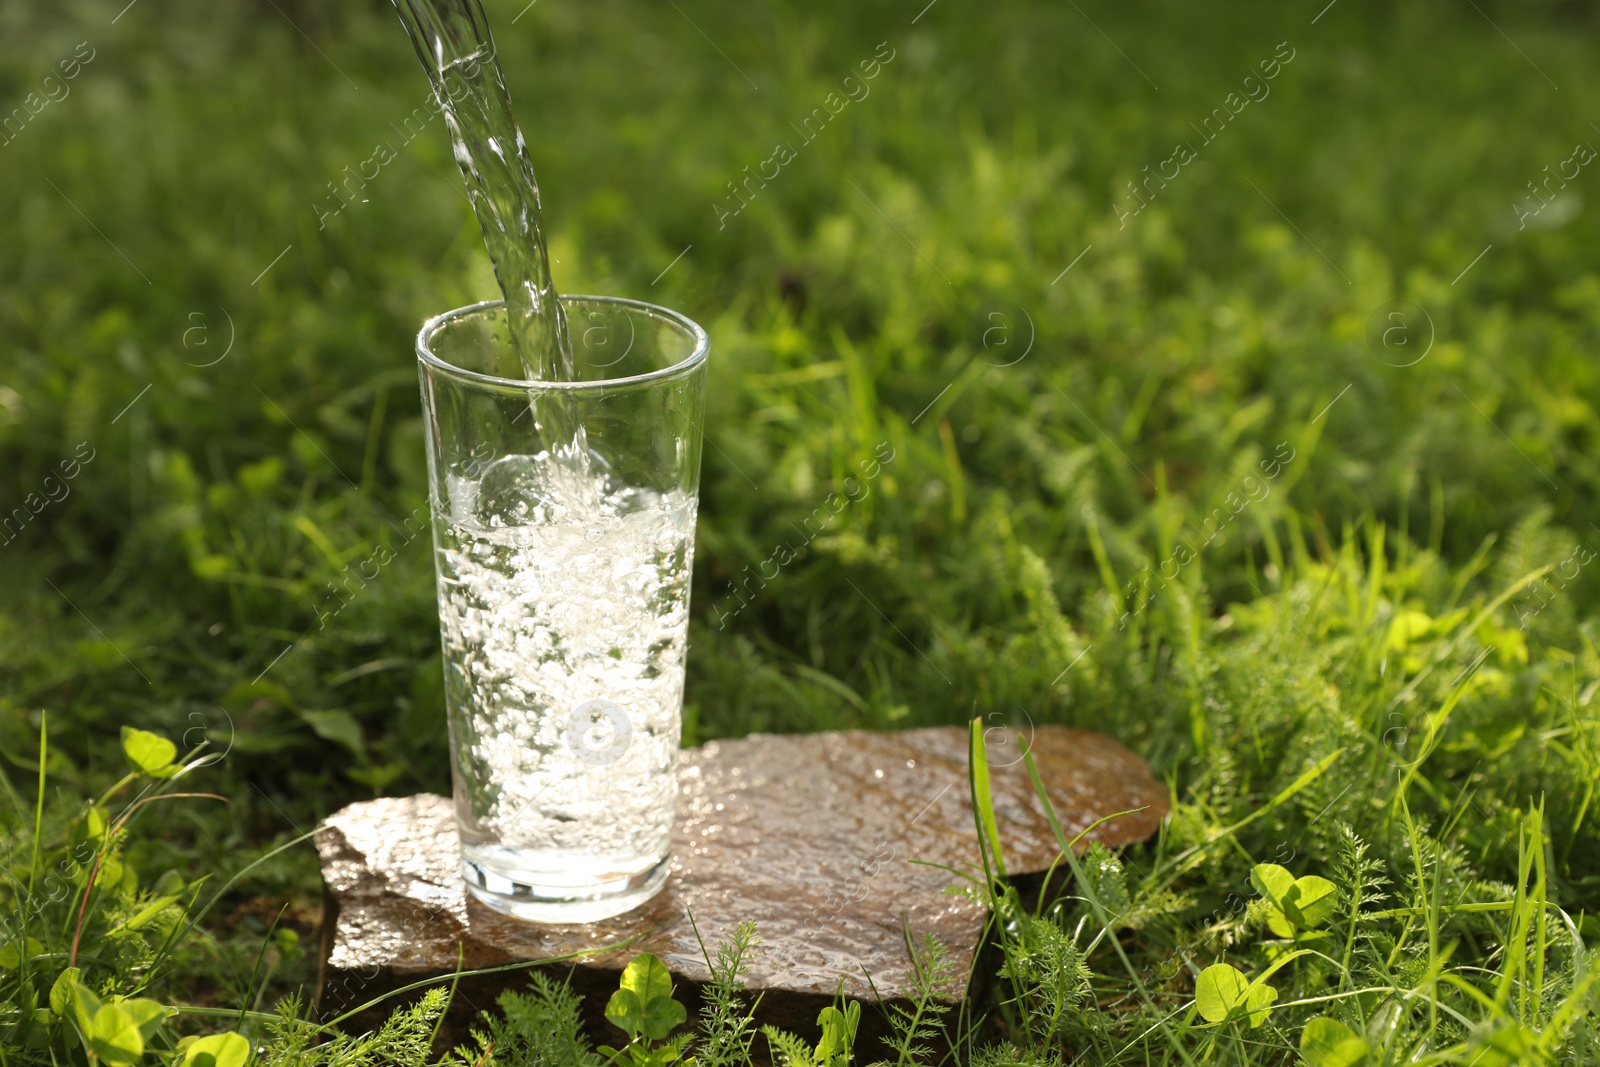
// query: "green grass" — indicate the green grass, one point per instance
point(1405, 583)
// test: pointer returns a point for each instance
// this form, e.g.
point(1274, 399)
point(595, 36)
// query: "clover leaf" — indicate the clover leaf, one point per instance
point(1311, 902)
point(838, 1031)
point(1298, 903)
point(61, 997)
point(114, 1036)
point(218, 1050)
point(643, 1005)
point(1222, 993)
point(149, 753)
point(147, 1015)
point(1327, 1042)
point(11, 956)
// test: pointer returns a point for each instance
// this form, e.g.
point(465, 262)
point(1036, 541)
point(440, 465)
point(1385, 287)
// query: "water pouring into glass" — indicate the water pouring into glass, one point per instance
point(564, 464)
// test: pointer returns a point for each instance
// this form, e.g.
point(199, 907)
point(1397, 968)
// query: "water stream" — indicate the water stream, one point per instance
point(455, 46)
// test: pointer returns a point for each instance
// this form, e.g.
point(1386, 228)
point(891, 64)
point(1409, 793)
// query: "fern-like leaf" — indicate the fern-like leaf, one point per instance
point(540, 1028)
point(727, 1025)
point(914, 1027)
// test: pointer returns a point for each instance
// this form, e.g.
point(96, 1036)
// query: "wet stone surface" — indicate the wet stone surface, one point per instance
point(811, 836)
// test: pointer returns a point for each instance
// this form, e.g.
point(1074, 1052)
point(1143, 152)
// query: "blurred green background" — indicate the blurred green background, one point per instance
point(178, 302)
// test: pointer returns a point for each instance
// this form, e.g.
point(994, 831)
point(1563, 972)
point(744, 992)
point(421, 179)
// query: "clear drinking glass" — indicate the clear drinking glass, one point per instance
point(563, 529)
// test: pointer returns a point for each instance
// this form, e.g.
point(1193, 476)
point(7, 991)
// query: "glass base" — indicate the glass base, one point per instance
point(523, 898)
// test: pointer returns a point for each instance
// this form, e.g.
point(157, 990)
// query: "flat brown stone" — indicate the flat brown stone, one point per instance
point(811, 836)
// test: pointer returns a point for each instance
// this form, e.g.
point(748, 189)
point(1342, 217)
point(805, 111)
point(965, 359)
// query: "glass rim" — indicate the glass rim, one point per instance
point(697, 356)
